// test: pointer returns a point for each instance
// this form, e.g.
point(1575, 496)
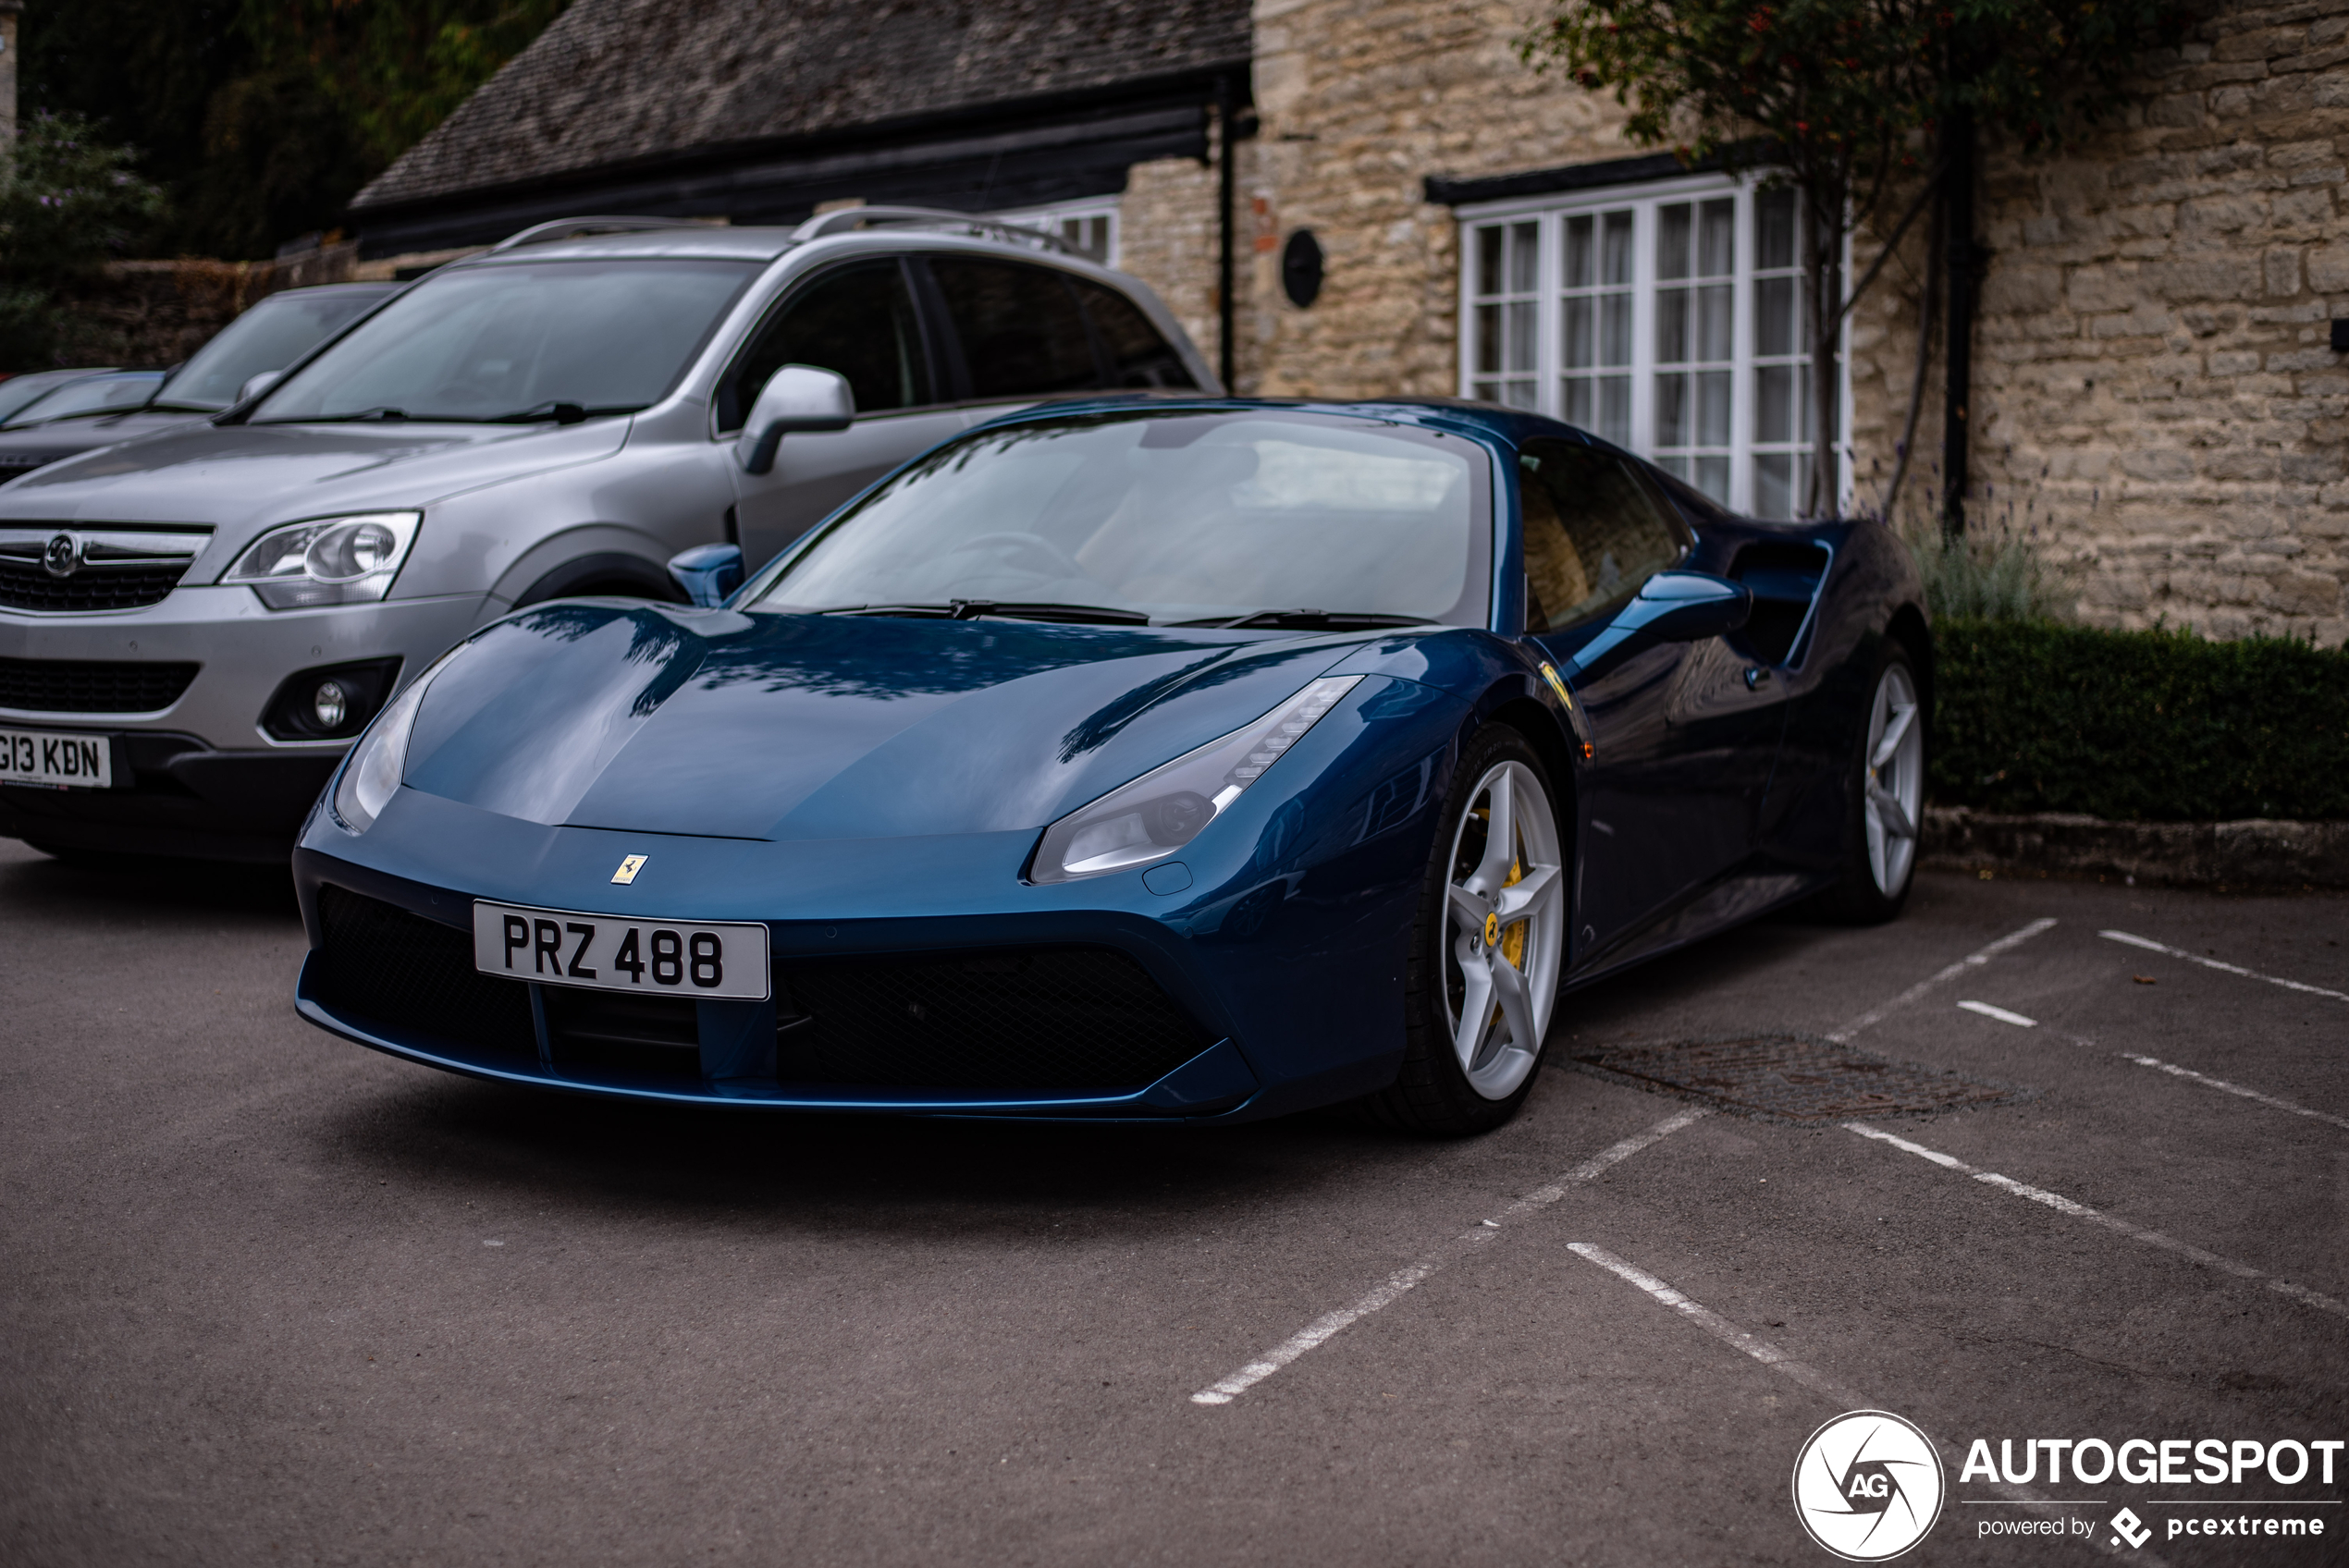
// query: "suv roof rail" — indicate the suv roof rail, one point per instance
point(846, 218)
point(574, 229)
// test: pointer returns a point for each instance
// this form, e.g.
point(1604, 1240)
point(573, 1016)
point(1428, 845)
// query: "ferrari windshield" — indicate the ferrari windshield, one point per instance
point(517, 341)
point(1271, 516)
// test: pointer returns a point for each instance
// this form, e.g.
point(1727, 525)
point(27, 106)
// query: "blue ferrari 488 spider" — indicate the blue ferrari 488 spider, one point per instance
point(1138, 758)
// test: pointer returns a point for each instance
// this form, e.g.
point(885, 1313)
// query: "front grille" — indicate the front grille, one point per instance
point(29, 586)
point(381, 962)
point(91, 685)
point(1061, 1018)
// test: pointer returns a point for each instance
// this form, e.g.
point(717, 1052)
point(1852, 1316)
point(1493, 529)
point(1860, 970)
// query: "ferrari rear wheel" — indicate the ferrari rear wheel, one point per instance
point(1487, 949)
point(1886, 816)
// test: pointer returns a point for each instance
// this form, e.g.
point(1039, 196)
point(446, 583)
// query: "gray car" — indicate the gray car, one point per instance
point(194, 625)
point(272, 333)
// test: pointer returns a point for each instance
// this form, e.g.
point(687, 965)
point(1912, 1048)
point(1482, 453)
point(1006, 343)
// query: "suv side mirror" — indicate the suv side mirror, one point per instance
point(1687, 607)
point(796, 397)
point(707, 573)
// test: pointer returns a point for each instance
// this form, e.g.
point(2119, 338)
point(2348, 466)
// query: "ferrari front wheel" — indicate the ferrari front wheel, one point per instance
point(1487, 949)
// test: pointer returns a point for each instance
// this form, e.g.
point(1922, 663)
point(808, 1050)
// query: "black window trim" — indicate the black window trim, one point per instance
point(925, 325)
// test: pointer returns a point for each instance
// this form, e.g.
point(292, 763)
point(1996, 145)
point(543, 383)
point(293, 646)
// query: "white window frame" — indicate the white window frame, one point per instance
point(1643, 198)
point(1050, 217)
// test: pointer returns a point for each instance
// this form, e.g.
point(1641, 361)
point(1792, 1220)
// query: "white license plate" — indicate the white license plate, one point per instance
point(63, 762)
point(609, 952)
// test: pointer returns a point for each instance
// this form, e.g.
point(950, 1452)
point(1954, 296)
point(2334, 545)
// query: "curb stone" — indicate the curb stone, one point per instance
point(2258, 852)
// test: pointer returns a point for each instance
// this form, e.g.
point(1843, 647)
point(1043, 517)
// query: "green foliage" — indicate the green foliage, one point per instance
point(393, 68)
point(2155, 725)
point(68, 204)
point(262, 119)
point(1979, 577)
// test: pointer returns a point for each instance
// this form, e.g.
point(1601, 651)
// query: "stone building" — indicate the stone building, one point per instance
point(2154, 393)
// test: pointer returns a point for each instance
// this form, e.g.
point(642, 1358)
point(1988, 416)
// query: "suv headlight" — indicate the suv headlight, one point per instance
point(1167, 807)
point(372, 774)
point(333, 560)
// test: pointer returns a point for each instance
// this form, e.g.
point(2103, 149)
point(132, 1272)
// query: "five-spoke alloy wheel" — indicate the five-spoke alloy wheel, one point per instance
point(1886, 814)
point(1488, 948)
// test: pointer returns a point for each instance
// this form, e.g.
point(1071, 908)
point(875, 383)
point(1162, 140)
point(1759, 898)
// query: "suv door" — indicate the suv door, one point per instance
point(1683, 749)
point(859, 320)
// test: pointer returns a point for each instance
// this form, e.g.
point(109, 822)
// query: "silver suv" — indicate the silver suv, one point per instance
point(194, 625)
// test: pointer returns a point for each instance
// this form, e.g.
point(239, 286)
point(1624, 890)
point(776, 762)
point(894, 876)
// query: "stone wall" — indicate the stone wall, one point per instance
point(2155, 399)
point(2153, 375)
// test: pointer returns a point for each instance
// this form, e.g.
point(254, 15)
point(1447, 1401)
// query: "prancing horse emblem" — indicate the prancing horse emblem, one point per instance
point(628, 869)
point(63, 557)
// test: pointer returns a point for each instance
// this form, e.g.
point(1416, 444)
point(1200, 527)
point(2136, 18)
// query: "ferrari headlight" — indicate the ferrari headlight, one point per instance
point(1166, 808)
point(380, 759)
point(335, 560)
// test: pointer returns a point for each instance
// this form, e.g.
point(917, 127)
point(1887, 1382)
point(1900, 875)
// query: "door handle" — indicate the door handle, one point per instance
point(1755, 678)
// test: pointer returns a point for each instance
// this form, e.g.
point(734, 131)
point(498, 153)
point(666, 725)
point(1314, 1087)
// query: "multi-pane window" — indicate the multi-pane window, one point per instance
point(1505, 314)
point(1595, 357)
point(1088, 227)
point(1666, 320)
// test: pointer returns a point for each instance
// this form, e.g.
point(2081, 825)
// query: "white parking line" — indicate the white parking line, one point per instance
point(1971, 960)
point(1397, 1283)
point(2224, 1087)
point(1802, 1372)
point(2153, 946)
point(1722, 1329)
point(2001, 1014)
point(2062, 1204)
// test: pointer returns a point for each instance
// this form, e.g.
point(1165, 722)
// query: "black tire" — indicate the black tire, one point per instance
point(1857, 899)
point(1432, 1096)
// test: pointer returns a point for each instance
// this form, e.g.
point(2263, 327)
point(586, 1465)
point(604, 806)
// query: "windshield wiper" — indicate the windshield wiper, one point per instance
point(562, 413)
point(361, 416)
point(971, 609)
point(1316, 621)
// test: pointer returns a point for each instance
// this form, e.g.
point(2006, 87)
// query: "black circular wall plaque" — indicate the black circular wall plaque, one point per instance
point(1301, 268)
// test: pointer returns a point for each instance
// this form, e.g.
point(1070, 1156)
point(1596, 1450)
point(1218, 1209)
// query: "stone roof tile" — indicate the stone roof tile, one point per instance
point(619, 81)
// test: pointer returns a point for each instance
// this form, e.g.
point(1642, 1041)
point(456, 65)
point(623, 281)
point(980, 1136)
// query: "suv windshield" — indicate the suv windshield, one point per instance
point(273, 335)
point(109, 394)
point(517, 341)
point(1266, 516)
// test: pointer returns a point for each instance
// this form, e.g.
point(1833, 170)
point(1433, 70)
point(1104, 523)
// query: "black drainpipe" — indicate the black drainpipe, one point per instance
point(1965, 259)
point(1228, 136)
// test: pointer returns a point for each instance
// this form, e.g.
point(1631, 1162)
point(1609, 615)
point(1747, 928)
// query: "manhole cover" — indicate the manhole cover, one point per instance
point(1789, 1078)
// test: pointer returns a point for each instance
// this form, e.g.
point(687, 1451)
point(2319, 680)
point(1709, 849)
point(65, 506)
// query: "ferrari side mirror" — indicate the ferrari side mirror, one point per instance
point(796, 398)
point(707, 572)
point(1688, 607)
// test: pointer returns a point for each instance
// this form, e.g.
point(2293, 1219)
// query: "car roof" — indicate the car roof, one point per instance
point(315, 290)
point(1510, 426)
point(690, 241)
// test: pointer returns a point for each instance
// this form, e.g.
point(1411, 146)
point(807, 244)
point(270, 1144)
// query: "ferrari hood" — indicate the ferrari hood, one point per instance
point(716, 723)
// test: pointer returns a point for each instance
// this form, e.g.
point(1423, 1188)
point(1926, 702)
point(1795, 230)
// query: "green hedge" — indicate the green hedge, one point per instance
point(2138, 725)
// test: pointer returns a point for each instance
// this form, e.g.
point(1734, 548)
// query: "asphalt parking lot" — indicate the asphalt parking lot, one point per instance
point(269, 1297)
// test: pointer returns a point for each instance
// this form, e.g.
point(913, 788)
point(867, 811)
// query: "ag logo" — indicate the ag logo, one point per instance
point(1868, 1486)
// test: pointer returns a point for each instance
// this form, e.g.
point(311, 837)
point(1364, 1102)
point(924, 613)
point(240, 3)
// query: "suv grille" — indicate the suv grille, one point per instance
point(115, 568)
point(91, 685)
point(1060, 1018)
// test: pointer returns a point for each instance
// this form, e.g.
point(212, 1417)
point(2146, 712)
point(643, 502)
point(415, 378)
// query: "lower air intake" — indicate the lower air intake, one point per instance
point(383, 963)
point(1060, 1018)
